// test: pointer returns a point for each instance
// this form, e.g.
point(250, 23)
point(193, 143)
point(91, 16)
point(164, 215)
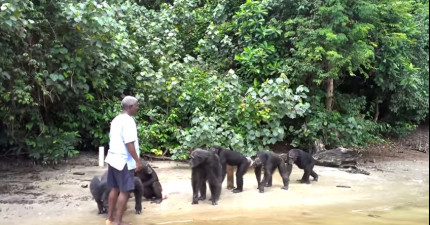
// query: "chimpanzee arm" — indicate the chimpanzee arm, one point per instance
point(195, 183)
point(285, 170)
point(138, 192)
point(268, 172)
point(156, 186)
point(257, 171)
point(151, 180)
point(97, 192)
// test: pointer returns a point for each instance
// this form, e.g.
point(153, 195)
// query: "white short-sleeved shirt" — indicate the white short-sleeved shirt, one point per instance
point(123, 130)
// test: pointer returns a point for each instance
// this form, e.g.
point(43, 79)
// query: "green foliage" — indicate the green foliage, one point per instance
point(400, 68)
point(241, 73)
point(53, 145)
point(334, 41)
point(158, 135)
point(400, 129)
point(334, 129)
point(345, 127)
point(58, 61)
point(220, 113)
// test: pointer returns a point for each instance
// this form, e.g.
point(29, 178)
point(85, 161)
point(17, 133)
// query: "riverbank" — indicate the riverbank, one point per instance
point(395, 192)
point(61, 196)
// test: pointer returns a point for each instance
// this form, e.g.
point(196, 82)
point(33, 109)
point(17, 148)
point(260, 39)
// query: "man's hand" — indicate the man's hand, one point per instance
point(138, 166)
point(132, 151)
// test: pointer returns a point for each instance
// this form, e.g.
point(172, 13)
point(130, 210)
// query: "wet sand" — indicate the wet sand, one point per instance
point(394, 193)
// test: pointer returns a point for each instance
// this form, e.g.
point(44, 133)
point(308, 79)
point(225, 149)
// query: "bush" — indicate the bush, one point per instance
point(345, 127)
point(54, 145)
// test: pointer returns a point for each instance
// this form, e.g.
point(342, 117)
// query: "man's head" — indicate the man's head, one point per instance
point(130, 105)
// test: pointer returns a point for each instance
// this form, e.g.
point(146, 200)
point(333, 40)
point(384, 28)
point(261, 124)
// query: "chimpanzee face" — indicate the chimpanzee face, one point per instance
point(147, 168)
point(216, 150)
point(195, 160)
point(197, 157)
point(257, 162)
point(292, 157)
point(284, 157)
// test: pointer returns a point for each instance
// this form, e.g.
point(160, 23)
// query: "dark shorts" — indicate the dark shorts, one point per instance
point(121, 179)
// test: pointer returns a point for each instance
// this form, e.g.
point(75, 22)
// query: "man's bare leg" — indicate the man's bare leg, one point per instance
point(230, 177)
point(113, 197)
point(120, 207)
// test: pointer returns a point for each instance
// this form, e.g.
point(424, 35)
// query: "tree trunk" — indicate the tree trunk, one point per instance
point(230, 177)
point(375, 118)
point(329, 100)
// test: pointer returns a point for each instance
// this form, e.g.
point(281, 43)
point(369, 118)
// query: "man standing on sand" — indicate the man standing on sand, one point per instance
point(123, 160)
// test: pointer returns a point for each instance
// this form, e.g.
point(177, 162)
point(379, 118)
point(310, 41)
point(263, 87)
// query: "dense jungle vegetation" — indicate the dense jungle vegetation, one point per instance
point(211, 72)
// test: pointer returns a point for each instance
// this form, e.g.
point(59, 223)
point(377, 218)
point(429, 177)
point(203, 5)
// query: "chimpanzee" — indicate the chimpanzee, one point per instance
point(303, 160)
point(151, 185)
point(270, 161)
point(100, 191)
point(205, 166)
point(232, 158)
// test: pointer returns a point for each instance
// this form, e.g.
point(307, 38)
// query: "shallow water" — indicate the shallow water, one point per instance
point(381, 198)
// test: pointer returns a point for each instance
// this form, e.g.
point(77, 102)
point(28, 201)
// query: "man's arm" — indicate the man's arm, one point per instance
point(132, 151)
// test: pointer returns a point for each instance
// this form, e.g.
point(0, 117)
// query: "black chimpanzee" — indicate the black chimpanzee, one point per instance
point(233, 158)
point(100, 191)
point(303, 160)
point(151, 185)
point(205, 166)
point(270, 161)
